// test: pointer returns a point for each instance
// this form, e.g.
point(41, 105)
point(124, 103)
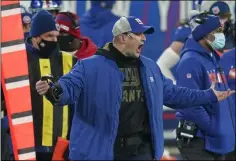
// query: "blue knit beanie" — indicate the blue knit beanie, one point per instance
point(42, 22)
point(209, 24)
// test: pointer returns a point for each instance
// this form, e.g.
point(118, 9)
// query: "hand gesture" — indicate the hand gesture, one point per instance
point(221, 94)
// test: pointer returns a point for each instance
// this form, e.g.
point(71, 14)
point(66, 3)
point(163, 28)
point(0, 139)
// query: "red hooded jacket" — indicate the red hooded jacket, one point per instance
point(87, 49)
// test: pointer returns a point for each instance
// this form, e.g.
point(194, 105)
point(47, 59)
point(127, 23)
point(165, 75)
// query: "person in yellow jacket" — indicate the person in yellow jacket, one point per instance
point(44, 57)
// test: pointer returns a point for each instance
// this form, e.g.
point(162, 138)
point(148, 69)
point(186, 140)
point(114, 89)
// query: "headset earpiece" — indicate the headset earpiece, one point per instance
point(75, 22)
point(201, 17)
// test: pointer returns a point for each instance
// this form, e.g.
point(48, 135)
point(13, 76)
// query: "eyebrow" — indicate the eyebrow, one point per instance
point(52, 35)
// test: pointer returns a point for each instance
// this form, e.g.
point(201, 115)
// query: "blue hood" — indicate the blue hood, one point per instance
point(194, 46)
point(29, 46)
point(97, 17)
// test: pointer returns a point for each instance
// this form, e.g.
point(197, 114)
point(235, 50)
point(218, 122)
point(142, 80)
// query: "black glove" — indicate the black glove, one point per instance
point(54, 92)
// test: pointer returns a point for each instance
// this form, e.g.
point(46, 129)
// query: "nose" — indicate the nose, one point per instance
point(143, 37)
point(55, 39)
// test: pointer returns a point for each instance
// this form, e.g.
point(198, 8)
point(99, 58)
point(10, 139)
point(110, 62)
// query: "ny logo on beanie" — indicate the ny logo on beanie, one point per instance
point(215, 10)
point(57, 27)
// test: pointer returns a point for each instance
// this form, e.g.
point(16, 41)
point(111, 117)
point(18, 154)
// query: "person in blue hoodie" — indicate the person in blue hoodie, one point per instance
point(204, 132)
point(26, 23)
point(228, 62)
point(119, 96)
point(97, 22)
point(170, 57)
point(26, 18)
point(221, 9)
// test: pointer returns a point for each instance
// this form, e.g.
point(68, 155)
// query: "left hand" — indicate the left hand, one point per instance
point(221, 95)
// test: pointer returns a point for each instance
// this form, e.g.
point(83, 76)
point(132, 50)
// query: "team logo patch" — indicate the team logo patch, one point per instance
point(66, 28)
point(232, 73)
point(139, 21)
point(26, 19)
point(189, 75)
point(42, 44)
point(216, 10)
point(151, 79)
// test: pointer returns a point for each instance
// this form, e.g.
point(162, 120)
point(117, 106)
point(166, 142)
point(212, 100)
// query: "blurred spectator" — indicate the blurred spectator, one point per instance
point(52, 6)
point(228, 62)
point(26, 18)
point(26, 23)
point(97, 23)
point(35, 6)
point(170, 57)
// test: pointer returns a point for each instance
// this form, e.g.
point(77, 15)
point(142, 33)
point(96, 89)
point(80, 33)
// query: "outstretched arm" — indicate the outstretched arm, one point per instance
point(181, 97)
point(68, 88)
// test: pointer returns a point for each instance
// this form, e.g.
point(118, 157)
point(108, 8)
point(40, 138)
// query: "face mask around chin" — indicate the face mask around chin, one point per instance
point(46, 48)
point(219, 41)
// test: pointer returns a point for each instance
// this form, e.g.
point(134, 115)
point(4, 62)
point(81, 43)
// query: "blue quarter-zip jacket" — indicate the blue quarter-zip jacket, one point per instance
point(95, 85)
point(216, 122)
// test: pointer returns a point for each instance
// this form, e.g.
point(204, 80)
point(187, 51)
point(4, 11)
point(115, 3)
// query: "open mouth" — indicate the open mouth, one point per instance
point(140, 48)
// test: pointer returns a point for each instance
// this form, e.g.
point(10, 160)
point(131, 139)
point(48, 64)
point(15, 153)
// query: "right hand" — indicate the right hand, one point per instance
point(42, 87)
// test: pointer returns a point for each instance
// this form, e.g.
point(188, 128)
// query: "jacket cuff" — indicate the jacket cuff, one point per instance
point(54, 93)
point(210, 95)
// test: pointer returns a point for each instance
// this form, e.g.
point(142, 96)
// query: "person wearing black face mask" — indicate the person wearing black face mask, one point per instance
point(70, 39)
point(42, 40)
point(44, 57)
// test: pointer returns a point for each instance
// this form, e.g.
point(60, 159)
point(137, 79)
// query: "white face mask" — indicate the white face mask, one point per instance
point(219, 41)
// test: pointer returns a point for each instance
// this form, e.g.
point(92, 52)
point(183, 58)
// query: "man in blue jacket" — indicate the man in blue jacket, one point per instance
point(204, 132)
point(170, 57)
point(119, 96)
point(97, 22)
point(228, 63)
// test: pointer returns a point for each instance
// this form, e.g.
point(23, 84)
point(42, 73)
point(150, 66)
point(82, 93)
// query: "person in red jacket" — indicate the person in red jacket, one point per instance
point(70, 39)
